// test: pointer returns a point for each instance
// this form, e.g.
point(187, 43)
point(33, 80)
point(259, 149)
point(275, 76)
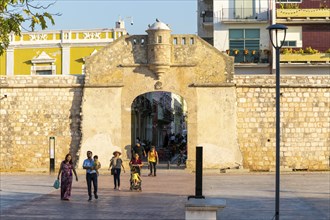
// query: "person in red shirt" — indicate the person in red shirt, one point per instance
point(137, 163)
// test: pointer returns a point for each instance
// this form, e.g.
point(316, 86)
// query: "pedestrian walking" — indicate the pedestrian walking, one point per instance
point(137, 162)
point(115, 166)
point(91, 175)
point(66, 170)
point(138, 149)
point(152, 160)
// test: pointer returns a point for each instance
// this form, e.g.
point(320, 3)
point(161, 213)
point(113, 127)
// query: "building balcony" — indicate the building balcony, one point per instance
point(310, 15)
point(242, 15)
point(66, 36)
point(317, 58)
point(207, 18)
point(250, 56)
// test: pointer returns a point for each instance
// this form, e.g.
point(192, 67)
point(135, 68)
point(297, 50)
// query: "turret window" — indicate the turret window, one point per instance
point(183, 41)
point(159, 39)
point(192, 40)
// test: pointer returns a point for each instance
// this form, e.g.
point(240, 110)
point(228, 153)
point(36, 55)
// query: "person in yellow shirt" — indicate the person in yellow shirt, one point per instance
point(152, 160)
point(136, 179)
point(97, 164)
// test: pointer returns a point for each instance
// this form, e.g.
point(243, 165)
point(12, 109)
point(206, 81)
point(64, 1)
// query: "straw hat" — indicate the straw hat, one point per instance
point(114, 153)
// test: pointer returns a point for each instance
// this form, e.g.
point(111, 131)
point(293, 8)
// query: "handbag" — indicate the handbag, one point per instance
point(56, 184)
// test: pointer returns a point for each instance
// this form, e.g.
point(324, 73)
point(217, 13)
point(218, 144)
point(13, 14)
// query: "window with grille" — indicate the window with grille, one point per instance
point(290, 43)
point(241, 39)
point(44, 72)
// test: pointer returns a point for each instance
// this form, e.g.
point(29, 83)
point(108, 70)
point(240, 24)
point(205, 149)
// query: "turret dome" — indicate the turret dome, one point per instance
point(158, 25)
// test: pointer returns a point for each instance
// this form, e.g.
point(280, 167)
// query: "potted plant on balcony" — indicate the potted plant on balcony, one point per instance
point(253, 52)
point(310, 50)
point(236, 51)
point(286, 51)
point(246, 51)
point(266, 51)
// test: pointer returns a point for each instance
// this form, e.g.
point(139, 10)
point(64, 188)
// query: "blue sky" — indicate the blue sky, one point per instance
point(181, 15)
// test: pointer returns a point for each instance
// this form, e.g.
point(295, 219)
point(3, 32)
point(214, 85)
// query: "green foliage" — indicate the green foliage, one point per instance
point(310, 50)
point(289, 6)
point(286, 51)
point(300, 51)
point(14, 13)
point(323, 5)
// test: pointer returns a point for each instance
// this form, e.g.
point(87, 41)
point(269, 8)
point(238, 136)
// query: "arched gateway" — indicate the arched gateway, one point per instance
point(181, 64)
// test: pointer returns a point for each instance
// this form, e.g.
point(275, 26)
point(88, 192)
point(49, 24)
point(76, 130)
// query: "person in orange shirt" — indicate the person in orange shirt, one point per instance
point(152, 160)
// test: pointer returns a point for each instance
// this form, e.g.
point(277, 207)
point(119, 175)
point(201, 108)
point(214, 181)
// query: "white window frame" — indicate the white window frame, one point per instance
point(293, 33)
point(47, 63)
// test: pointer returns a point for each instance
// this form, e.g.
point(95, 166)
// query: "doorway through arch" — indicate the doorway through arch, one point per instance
point(160, 119)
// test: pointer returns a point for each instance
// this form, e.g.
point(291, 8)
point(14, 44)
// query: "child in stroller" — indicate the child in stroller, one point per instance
point(135, 180)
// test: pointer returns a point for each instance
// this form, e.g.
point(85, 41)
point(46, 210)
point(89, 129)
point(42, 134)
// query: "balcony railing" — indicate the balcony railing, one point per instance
point(310, 13)
point(243, 14)
point(207, 16)
point(250, 56)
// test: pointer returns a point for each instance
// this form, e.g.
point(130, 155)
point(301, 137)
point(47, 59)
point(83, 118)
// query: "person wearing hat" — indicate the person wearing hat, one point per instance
point(116, 164)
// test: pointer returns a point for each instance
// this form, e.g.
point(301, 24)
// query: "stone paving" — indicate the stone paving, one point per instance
point(249, 196)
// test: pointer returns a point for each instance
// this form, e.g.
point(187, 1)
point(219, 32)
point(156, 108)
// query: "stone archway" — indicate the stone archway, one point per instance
point(155, 117)
point(181, 64)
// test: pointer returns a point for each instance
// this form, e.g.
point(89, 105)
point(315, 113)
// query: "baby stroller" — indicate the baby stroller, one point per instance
point(135, 180)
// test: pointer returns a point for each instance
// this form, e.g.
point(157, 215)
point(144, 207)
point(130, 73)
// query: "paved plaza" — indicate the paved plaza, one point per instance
point(249, 196)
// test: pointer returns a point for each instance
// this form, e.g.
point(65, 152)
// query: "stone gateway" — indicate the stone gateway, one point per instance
point(232, 116)
point(159, 61)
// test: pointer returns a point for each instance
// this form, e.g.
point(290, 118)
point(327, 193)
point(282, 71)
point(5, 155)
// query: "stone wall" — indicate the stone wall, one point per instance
point(305, 121)
point(39, 107)
point(33, 109)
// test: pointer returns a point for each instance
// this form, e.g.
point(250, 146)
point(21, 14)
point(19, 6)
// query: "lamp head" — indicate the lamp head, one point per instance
point(276, 29)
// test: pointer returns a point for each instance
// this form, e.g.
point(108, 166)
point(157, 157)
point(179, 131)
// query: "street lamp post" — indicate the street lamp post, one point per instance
point(277, 44)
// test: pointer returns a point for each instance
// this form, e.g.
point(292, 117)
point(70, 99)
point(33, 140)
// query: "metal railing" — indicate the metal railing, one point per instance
point(207, 16)
point(252, 56)
point(256, 14)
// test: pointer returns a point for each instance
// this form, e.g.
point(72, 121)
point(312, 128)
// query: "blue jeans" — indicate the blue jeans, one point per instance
point(116, 177)
point(91, 177)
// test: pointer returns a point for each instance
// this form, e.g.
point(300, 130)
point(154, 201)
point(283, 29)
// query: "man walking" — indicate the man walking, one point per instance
point(91, 175)
point(138, 149)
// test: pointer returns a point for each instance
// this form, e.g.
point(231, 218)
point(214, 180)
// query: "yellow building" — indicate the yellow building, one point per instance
point(60, 52)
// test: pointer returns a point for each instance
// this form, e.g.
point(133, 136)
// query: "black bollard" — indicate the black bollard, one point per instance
point(199, 174)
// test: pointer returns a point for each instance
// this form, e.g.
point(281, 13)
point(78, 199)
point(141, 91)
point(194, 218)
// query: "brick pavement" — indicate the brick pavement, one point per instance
point(249, 196)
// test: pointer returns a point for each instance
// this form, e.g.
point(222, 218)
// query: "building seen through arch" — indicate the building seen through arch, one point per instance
point(156, 117)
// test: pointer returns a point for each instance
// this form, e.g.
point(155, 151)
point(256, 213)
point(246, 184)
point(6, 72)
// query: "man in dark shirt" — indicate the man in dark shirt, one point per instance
point(138, 149)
